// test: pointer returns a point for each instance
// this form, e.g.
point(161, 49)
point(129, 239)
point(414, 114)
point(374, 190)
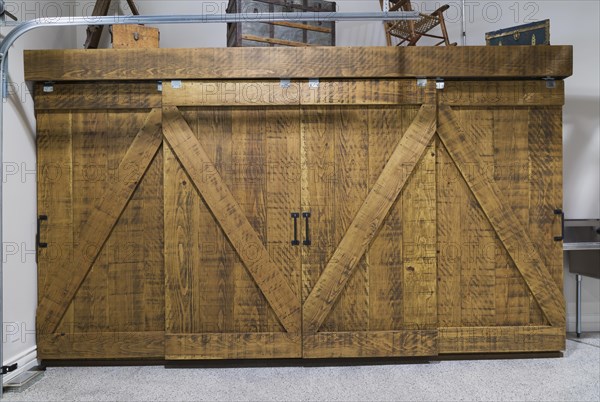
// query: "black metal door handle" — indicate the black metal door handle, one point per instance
point(295, 242)
point(37, 235)
point(560, 212)
point(306, 241)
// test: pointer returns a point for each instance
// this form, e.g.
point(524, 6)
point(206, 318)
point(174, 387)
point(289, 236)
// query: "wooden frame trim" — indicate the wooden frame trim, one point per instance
point(98, 95)
point(101, 345)
point(502, 93)
point(514, 238)
point(501, 339)
point(516, 62)
point(249, 345)
point(103, 218)
point(402, 343)
point(271, 93)
point(369, 218)
point(229, 215)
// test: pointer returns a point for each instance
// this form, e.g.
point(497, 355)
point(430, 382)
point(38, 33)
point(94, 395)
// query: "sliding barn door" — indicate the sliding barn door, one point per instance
point(499, 182)
point(100, 261)
point(231, 183)
point(369, 272)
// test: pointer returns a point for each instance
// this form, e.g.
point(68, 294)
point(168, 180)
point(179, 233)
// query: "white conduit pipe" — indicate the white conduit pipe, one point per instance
point(24, 27)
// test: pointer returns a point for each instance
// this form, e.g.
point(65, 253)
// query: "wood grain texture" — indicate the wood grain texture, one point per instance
point(323, 62)
point(233, 221)
point(271, 92)
point(511, 174)
point(230, 93)
point(54, 194)
point(384, 256)
point(502, 93)
point(134, 36)
point(501, 339)
point(478, 241)
point(419, 240)
point(370, 344)
point(99, 225)
point(253, 345)
point(350, 180)
point(101, 345)
point(98, 95)
point(283, 186)
point(365, 92)
point(507, 226)
point(368, 219)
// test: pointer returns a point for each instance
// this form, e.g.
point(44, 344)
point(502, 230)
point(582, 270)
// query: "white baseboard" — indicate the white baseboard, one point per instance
point(25, 360)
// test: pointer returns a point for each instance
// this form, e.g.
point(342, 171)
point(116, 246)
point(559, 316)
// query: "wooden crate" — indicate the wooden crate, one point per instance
point(248, 34)
point(134, 36)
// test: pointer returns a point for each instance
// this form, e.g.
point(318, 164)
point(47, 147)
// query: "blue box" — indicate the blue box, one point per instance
point(535, 33)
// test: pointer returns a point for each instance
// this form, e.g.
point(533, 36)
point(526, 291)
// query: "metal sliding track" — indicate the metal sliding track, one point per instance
point(20, 29)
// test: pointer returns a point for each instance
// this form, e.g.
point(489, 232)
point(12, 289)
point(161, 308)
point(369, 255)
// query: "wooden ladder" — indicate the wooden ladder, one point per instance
point(94, 32)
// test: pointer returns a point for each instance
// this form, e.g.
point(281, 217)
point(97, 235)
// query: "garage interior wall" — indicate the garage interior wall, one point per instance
point(581, 122)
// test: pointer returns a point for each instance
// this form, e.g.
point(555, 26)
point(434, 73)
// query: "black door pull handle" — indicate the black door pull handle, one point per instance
point(37, 235)
point(295, 242)
point(306, 241)
point(560, 212)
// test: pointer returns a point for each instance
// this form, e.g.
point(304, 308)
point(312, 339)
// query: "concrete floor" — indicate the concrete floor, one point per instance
point(575, 377)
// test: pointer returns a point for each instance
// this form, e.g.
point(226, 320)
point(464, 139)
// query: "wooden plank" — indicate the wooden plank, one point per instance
point(247, 184)
point(218, 263)
point(283, 190)
point(478, 241)
point(507, 226)
point(134, 36)
point(364, 92)
point(232, 219)
point(511, 174)
point(270, 92)
point(101, 345)
point(501, 339)
point(370, 344)
point(318, 193)
point(99, 95)
point(452, 196)
point(274, 41)
point(91, 133)
point(351, 175)
point(230, 93)
point(502, 93)
point(276, 62)
point(181, 222)
point(54, 194)
point(545, 150)
point(100, 223)
point(369, 218)
point(419, 242)
point(254, 345)
point(151, 193)
point(384, 257)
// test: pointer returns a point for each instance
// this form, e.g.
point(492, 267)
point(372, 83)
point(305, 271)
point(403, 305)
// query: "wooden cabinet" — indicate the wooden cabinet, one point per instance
point(424, 217)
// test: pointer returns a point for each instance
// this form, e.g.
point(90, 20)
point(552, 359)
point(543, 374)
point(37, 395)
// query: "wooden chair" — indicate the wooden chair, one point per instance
point(409, 32)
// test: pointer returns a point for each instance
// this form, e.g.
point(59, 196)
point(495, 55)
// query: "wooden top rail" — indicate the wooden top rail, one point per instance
point(515, 62)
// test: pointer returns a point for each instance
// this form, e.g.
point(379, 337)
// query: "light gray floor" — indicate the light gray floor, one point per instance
point(575, 377)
